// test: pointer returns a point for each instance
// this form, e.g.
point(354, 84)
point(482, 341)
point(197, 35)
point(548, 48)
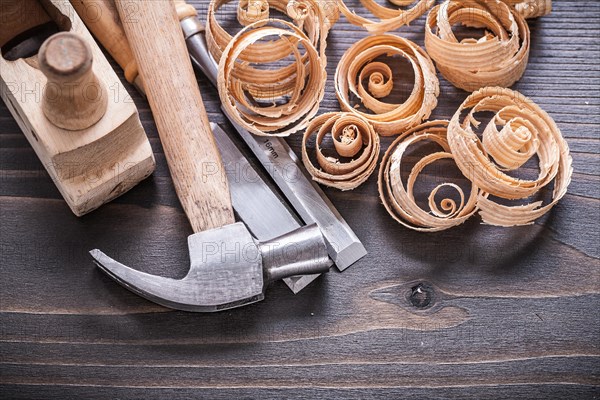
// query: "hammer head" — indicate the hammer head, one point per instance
point(228, 268)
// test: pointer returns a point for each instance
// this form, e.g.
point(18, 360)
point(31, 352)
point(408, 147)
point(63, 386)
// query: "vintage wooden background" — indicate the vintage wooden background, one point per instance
point(512, 312)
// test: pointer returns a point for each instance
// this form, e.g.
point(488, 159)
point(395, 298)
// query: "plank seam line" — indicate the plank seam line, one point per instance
point(304, 365)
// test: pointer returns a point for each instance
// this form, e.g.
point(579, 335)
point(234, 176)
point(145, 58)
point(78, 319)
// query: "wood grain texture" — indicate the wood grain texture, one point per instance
point(510, 313)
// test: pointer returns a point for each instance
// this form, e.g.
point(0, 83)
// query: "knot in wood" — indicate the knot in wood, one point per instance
point(422, 295)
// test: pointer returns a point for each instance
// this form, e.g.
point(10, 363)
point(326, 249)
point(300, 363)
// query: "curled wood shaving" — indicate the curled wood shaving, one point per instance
point(353, 137)
point(498, 58)
point(357, 64)
point(389, 19)
point(259, 87)
point(519, 130)
point(399, 199)
point(244, 95)
point(531, 8)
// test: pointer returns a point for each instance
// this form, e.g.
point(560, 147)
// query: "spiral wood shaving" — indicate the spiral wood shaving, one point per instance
point(353, 137)
point(245, 97)
point(399, 199)
point(518, 131)
point(260, 88)
point(357, 65)
point(389, 19)
point(498, 58)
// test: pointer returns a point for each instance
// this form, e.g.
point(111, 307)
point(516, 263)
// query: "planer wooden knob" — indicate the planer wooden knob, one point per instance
point(74, 98)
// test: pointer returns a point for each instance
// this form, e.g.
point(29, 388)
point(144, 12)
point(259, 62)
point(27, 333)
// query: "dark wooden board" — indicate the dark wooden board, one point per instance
point(515, 312)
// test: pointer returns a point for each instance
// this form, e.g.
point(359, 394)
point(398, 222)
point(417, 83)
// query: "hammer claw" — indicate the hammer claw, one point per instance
point(228, 268)
point(155, 288)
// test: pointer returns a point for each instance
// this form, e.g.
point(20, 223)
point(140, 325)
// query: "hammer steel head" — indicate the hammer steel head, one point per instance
point(228, 268)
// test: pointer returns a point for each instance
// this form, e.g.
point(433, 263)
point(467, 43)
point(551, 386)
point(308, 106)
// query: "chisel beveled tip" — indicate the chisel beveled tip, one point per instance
point(349, 255)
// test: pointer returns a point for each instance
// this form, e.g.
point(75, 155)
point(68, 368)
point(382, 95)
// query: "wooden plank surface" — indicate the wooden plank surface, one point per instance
point(513, 312)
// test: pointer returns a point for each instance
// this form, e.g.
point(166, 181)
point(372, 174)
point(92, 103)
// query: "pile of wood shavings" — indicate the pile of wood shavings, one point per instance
point(518, 131)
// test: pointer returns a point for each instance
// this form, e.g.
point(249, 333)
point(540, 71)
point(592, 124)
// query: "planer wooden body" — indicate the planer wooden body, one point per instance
point(100, 149)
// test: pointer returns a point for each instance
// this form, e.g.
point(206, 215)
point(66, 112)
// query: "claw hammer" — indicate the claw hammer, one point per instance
point(229, 268)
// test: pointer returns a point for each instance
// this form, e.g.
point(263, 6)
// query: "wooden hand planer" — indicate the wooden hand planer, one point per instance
point(70, 104)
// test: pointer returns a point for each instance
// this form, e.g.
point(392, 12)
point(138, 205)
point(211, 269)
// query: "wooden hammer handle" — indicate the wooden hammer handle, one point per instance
point(155, 38)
